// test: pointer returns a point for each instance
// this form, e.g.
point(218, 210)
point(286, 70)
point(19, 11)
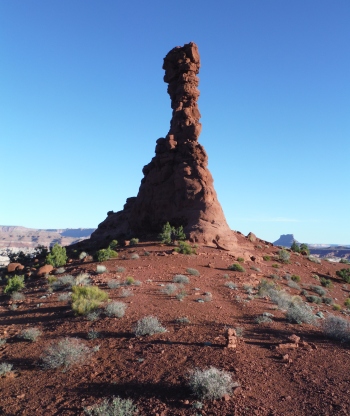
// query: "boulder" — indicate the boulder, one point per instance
point(12, 267)
point(43, 270)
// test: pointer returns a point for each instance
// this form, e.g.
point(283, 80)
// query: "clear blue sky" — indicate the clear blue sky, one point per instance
point(83, 101)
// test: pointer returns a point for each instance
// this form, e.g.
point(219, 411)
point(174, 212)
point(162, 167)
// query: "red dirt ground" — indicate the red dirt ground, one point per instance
point(153, 370)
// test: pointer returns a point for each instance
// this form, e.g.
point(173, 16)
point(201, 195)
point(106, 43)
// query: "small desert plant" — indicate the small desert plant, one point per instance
point(30, 334)
point(65, 353)
point(14, 284)
point(113, 245)
point(265, 287)
point(93, 316)
point(295, 247)
point(304, 249)
point(92, 334)
point(185, 248)
point(113, 284)
point(105, 254)
point(129, 281)
point(347, 303)
point(171, 234)
point(314, 299)
point(344, 274)
point(337, 328)
point(100, 269)
point(327, 301)
point(240, 259)
point(57, 256)
point(314, 259)
point(2, 341)
point(183, 320)
point(283, 256)
point(115, 407)
point(181, 295)
point(169, 289)
point(62, 282)
point(125, 293)
point(239, 331)
point(60, 270)
point(17, 296)
point(146, 253)
point(83, 279)
point(149, 325)
point(116, 309)
point(180, 278)
point(135, 256)
point(5, 368)
point(193, 272)
point(274, 277)
point(256, 269)
point(275, 266)
point(134, 241)
point(120, 269)
point(82, 255)
point(344, 261)
point(293, 285)
point(336, 307)
point(211, 383)
point(231, 285)
point(326, 282)
point(295, 278)
point(300, 313)
point(236, 268)
point(64, 297)
point(262, 319)
point(86, 299)
point(266, 258)
point(319, 290)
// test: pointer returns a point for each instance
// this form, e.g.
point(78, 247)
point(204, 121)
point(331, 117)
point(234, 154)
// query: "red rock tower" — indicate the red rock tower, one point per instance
point(177, 185)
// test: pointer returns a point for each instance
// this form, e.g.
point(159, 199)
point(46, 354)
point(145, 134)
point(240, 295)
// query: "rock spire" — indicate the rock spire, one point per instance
point(177, 185)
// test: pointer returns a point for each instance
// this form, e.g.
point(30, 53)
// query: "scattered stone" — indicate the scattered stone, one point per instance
point(12, 267)
point(231, 338)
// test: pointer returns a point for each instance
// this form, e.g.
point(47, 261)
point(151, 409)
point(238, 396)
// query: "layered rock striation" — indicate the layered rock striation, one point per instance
point(177, 185)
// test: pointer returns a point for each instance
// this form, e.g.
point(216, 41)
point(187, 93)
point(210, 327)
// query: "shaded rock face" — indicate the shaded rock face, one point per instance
point(177, 185)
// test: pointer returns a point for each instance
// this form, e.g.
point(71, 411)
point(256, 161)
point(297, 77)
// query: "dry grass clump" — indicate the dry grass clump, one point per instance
point(149, 325)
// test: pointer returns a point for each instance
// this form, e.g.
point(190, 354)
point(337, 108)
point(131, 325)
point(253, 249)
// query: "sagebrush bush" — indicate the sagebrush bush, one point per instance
point(314, 299)
point(300, 313)
point(185, 248)
point(114, 407)
point(62, 282)
point(314, 259)
point(236, 267)
point(180, 278)
point(86, 299)
point(83, 279)
point(135, 256)
point(231, 285)
point(57, 256)
point(284, 256)
point(5, 368)
point(169, 289)
point(326, 282)
point(319, 290)
point(293, 285)
point(30, 334)
point(14, 284)
point(193, 272)
point(240, 259)
point(295, 278)
point(129, 281)
point(210, 383)
point(116, 309)
point(262, 319)
point(120, 269)
point(100, 269)
point(181, 295)
point(105, 254)
point(17, 296)
point(134, 241)
point(113, 284)
point(149, 325)
point(65, 353)
point(125, 293)
point(336, 328)
point(60, 270)
point(344, 274)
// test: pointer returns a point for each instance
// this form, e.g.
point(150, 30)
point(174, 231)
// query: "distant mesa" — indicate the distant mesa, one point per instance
point(177, 186)
point(285, 240)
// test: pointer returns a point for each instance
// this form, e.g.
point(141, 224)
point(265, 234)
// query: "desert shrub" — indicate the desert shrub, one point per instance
point(293, 285)
point(17, 296)
point(170, 234)
point(86, 299)
point(129, 281)
point(116, 309)
point(135, 256)
point(134, 241)
point(315, 276)
point(248, 289)
point(2, 341)
point(283, 256)
point(344, 274)
point(113, 284)
point(240, 259)
point(64, 297)
point(30, 334)
point(180, 278)
point(60, 270)
point(63, 282)
point(266, 258)
point(295, 278)
point(231, 285)
point(82, 255)
point(275, 266)
point(347, 303)
point(169, 289)
point(82, 279)
point(120, 269)
point(5, 368)
point(336, 328)
point(93, 316)
point(313, 299)
point(327, 301)
point(211, 383)
point(300, 313)
point(236, 268)
point(183, 320)
point(193, 272)
point(265, 287)
point(100, 269)
point(113, 245)
point(314, 259)
point(325, 282)
point(319, 290)
point(274, 277)
point(181, 295)
point(146, 253)
point(65, 353)
point(185, 248)
point(262, 319)
point(115, 407)
point(92, 334)
point(295, 247)
point(57, 256)
point(125, 293)
point(256, 269)
point(336, 307)
point(304, 249)
point(149, 325)
point(105, 254)
point(14, 284)
point(344, 261)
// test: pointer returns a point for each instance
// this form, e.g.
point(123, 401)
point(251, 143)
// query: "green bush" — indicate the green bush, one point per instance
point(304, 249)
point(295, 247)
point(284, 256)
point(236, 268)
point(325, 282)
point(314, 299)
point(211, 383)
point(266, 258)
point(113, 245)
point(170, 234)
point(149, 325)
point(336, 307)
point(105, 254)
point(115, 407)
point(185, 248)
point(134, 241)
point(116, 309)
point(240, 259)
point(347, 303)
point(86, 299)
point(14, 284)
point(296, 278)
point(344, 274)
point(57, 256)
point(193, 272)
